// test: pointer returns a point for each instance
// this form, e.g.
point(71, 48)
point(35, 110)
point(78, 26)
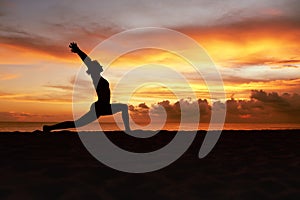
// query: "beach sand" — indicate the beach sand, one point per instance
point(242, 165)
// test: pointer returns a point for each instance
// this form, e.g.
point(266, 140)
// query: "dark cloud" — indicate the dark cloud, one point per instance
point(285, 103)
point(174, 110)
point(140, 114)
point(262, 107)
point(143, 105)
point(285, 62)
point(270, 98)
point(33, 42)
point(265, 108)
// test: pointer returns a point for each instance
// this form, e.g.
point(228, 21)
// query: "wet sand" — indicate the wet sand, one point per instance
point(243, 165)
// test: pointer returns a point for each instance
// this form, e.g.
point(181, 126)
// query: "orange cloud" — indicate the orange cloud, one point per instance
point(249, 42)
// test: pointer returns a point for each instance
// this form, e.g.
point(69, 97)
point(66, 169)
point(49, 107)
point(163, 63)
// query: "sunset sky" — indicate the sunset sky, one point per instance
point(255, 45)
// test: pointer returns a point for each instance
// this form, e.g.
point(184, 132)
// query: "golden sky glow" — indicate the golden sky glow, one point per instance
point(252, 52)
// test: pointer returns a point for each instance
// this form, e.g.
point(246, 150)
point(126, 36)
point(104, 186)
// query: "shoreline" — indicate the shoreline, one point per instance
point(167, 131)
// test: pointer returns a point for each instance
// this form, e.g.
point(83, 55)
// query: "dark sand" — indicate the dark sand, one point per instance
point(243, 165)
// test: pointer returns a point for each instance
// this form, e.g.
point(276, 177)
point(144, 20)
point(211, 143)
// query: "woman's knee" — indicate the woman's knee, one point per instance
point(119, 107)
point(125, 106)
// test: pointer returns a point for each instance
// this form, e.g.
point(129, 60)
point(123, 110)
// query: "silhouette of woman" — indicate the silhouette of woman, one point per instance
point(99, 108)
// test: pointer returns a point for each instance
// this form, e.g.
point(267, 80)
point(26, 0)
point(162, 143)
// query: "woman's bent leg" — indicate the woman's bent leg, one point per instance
point(119, 107)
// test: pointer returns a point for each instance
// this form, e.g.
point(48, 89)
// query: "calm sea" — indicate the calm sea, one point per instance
point(31, 126)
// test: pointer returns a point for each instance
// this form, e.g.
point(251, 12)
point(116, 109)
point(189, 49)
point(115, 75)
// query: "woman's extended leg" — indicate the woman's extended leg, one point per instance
point(82, 121)
point(119, 107)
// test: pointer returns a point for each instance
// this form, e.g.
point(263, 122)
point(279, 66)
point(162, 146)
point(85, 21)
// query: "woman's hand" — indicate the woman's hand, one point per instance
point(74, 47)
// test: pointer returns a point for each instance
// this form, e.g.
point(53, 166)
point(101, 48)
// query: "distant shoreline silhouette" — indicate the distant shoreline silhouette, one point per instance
point(99, 108)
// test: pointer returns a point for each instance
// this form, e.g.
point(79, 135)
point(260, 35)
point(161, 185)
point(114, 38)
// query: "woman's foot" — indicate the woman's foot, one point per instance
point(128, 130)
point(46, 129)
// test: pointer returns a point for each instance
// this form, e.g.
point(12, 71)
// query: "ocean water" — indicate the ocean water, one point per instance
point(31, 126)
